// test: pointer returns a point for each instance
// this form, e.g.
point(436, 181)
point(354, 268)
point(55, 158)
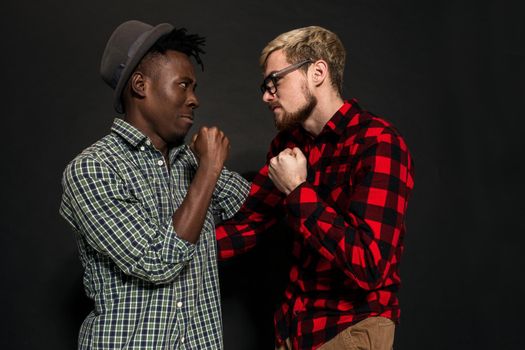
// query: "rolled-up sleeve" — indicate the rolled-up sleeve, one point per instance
point(229, 195)
point(98, 204)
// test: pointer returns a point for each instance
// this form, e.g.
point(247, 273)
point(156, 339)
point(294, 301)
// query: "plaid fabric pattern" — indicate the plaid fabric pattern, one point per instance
point(151, 290)
point(347, 220)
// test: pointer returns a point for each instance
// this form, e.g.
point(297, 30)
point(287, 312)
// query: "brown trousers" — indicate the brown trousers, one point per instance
point(373, 333)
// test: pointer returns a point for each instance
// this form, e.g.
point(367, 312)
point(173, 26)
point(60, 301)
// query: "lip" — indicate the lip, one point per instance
point(189, 118)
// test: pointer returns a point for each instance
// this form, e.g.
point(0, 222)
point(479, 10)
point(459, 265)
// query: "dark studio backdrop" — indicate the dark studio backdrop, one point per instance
point(449, 74)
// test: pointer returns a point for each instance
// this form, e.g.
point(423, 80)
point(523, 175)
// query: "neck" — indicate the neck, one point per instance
point(135, 118)
point(327, 105)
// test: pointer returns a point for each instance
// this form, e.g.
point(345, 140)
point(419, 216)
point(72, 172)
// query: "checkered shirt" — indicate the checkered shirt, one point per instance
point(347, 222)
point(151, 289)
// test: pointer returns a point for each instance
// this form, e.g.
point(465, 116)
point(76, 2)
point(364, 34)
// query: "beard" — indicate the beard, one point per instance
point(291, 120)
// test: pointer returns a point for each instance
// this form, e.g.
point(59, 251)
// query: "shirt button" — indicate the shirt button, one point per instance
point(182, 340)
point(179, 304)
point(148, 142)
point(160, 162)
point(142, 148)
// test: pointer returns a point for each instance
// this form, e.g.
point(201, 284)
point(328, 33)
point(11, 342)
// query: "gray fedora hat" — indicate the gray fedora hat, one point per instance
point(125, 48)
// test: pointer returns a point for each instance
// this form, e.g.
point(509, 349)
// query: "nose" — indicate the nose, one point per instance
point(267, 96)
point(192, 100)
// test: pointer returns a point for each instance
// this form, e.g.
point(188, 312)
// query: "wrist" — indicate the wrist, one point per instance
point(210, 167)
point(293, 187)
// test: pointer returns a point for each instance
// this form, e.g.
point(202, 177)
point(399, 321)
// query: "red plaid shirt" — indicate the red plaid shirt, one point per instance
point(347, 220)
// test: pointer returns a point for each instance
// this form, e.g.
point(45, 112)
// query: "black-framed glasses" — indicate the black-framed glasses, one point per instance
point(270, 82)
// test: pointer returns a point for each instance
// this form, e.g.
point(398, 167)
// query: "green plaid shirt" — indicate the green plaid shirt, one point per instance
point(151, 290)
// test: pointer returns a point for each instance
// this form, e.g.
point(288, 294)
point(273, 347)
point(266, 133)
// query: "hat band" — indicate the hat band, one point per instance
point(116, 75)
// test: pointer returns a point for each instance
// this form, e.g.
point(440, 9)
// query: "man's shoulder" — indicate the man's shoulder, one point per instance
point(103, 151)
point(372, 125)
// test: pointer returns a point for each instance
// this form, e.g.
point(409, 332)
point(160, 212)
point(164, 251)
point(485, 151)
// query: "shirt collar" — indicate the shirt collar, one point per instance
point(335, 126)
point(128, 132)
point(340, 120)
point(135, 138)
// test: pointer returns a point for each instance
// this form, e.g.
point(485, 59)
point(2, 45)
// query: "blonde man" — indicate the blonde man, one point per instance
point(341, 178)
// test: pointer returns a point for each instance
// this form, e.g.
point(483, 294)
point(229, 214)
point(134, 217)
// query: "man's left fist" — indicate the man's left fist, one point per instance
point(287, 170)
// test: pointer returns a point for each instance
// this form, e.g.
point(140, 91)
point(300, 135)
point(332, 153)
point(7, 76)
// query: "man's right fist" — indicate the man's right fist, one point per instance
point(211, 146)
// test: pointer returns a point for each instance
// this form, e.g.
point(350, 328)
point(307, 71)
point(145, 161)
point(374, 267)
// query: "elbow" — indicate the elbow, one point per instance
point(372, 282)
point(162, 274)
point(369, 283)
point(369, 276)
point(167, 275)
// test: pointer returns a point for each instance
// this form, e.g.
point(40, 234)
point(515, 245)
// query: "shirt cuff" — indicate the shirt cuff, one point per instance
point(303, 207)
point(176, 250)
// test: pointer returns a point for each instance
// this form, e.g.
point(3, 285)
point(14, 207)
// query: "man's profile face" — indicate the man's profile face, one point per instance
point(171, 97)
point(293, 101)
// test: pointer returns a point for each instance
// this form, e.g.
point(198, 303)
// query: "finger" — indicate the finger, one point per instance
point(282, 156)
point(298, 153)
point(216, 131)
point(194, 138)
point(192, 143)
point(286, 151)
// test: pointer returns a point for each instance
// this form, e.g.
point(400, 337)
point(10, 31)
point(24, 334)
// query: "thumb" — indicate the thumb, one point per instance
point(192, 143)
point(297, 152)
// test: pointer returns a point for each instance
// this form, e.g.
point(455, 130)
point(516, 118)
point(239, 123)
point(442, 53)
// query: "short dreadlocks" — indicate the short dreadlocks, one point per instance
point(176, 40)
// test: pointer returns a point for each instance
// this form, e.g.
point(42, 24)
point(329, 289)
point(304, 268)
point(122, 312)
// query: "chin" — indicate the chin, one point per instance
point(278, 119)
point(177, 140)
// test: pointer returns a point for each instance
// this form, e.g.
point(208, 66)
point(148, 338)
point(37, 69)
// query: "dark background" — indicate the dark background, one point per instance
point(449, 74)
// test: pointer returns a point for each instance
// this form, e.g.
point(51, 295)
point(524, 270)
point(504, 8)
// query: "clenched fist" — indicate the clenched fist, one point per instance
point(287, 170)
point(211, 146)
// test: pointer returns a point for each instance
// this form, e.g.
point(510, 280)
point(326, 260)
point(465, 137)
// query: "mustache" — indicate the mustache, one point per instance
point(271, 106)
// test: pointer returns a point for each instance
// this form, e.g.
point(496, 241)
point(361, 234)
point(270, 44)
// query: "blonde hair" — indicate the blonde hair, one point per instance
point(311, 43)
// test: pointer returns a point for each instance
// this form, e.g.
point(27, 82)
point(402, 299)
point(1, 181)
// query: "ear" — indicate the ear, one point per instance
point(319, 72)
point(138, 83)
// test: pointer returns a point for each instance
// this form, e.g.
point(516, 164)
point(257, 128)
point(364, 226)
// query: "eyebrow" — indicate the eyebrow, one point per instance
point(185, 77)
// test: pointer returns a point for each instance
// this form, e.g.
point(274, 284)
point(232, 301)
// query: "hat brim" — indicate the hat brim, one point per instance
point(148, 40)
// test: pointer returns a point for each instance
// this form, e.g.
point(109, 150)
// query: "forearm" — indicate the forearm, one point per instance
point(140, 245)
point(230, 193)
point(240, 234)
point(257, 215)
point(344, 240)
point(189, 218)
